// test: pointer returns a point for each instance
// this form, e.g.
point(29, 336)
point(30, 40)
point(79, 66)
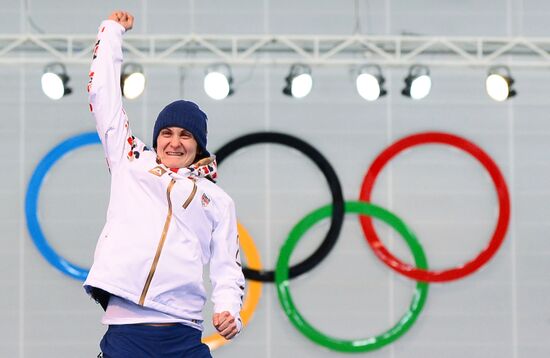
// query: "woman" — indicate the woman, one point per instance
point(166, 220)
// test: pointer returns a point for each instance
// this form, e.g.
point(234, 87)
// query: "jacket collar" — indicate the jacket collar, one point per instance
point(204, 168)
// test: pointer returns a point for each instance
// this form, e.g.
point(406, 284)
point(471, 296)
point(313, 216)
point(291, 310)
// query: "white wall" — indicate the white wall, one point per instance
point(443, 195)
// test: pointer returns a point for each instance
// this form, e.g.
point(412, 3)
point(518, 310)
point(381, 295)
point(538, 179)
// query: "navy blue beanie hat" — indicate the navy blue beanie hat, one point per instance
point(187, 115)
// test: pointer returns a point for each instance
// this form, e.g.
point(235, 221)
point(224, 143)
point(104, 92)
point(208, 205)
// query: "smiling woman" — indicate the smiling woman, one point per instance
point(180, 130)
point(176, 147)
point(152, 287)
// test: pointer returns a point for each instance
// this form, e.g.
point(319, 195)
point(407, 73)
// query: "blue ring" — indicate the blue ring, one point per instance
point(31, 203)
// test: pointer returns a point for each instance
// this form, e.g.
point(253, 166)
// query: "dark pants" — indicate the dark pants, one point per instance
point(141, 341)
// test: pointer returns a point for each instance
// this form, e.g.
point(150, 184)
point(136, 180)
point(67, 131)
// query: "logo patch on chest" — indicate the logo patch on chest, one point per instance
point(205, 200)
point(158, 171)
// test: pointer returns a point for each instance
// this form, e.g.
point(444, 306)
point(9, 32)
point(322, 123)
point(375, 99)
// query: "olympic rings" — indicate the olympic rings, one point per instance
point(254, 290)
point(499, 233)
point(31, 203)
point(359, 345)
point(336, 211)
point(335, 188)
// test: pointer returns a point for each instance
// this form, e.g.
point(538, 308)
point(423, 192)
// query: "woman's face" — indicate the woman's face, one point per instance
point(176, 147)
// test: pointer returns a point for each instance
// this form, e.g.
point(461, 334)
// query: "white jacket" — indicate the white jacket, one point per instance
point(162, 226)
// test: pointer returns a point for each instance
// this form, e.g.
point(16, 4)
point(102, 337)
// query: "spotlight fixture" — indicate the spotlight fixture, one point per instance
point(218, 82)
point(132, 80)
point(417, 83)
point(298, 81)
point(499, 83)
point(369, 82)
point(54, 81)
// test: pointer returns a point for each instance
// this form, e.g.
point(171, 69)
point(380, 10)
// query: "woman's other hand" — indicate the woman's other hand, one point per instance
point(226, 324)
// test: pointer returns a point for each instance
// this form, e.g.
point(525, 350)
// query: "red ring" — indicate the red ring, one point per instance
point(503, 200)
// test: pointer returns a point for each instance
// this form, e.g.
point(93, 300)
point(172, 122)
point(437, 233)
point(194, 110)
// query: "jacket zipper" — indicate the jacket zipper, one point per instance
point(163, 236)
point(160, 245)
point(191, 196)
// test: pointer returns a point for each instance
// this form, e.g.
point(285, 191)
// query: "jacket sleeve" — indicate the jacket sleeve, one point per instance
point(105, 94)
point(226, 272)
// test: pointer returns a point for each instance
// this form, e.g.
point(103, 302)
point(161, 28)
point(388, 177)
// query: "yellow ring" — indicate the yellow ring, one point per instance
point(254, 289)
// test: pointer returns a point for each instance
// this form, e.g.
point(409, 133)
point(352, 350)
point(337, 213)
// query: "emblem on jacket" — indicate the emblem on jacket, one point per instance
point(205, 200)
point(158, 171)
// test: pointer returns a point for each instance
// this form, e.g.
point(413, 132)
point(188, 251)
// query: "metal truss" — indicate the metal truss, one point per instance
point(193, 49)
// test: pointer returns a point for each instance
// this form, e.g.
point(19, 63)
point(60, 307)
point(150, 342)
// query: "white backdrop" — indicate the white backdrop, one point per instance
point(444, 195)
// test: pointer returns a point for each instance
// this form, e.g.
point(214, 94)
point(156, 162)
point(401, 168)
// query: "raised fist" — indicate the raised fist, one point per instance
point(124, 18)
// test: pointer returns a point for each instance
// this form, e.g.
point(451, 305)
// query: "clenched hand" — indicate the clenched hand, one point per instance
point(124, 18)
point(226, 324)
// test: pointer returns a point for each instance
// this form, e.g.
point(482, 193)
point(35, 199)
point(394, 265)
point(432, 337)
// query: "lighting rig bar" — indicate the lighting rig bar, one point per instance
point(194, 49)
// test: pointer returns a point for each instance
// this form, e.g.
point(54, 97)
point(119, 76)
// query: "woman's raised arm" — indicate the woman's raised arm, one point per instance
point(104, 86)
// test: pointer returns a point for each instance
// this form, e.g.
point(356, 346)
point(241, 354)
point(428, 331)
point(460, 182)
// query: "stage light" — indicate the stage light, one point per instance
point(369, 82)
point(218, 82)
point(132, 80)
point(417, 83)
point(298, 81)
point(499, 83)
point(54, 81)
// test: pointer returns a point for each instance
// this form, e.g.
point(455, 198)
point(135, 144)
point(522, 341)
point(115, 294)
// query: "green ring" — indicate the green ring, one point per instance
point(358, 345)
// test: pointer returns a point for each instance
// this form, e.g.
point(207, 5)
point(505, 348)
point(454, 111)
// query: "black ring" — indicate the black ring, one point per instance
point(333, 183)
